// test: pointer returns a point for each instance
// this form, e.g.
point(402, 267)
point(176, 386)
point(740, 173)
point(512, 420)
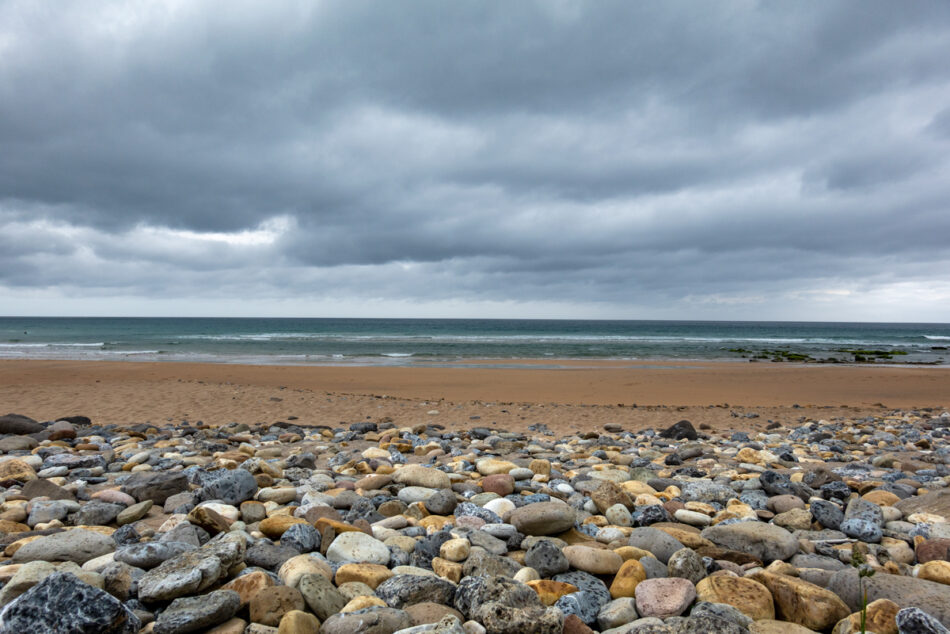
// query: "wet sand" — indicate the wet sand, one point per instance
point(575, 396)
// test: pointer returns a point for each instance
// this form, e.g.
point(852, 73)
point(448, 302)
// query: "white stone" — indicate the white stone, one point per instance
point(359, 547)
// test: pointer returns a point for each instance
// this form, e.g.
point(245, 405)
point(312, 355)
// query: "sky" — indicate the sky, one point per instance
point(555, 159)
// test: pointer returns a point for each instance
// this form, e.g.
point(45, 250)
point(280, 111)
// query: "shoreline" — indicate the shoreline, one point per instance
point(722, 395)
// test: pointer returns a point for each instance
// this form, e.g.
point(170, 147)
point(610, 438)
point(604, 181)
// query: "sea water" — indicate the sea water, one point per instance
point(448, 341)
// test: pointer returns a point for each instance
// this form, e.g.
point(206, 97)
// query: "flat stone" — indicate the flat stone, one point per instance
point(190, 572)
point(78, 545)
point(764, 541)
point(543, 518)
point(596, 561)
point(907, 592)
point(417, 475)
point(156, 486)
point(368, 621)
point(191, 614)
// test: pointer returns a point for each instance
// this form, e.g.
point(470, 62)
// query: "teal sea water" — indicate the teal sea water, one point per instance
point(448, 341)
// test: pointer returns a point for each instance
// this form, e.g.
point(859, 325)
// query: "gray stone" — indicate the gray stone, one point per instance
point(323, 598)
point(479, 562)
point(581, 604)
point(19, 424)
point(63, 603)
point(231, 487)
point(907, 592)
point(916, 621)
point(368, 621)
point(150, 554)
point(828, 514)
point(543, 518)
point(156, 486)
point(301, 537)
point(474, 592)
point(498, 618)
point(43, 511)
point(654, 568)
point(687, 564)
point(594, 587)
point(545, 557)
point(616, 613)
point(96, 513)
point(722, 611)
point(443, 502)
point(190, 614)
point(402, 590)
point(655, 541)
point(78, 545)
point(44, 488)
point(705, 491)
point(190, 572)
point(763, 541)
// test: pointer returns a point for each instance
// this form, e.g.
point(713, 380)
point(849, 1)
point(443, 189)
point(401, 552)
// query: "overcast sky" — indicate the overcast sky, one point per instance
point(685, 160)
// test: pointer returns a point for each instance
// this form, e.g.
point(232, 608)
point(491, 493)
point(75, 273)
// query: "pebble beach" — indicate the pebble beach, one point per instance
point(446, 516)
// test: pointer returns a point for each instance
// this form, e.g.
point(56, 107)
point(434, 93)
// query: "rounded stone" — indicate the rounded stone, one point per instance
point(625, 582)
point(596, 561)
point(270, 604)
point(748, 596)
point(358, 547)
point(543, 518)
point(664, 597)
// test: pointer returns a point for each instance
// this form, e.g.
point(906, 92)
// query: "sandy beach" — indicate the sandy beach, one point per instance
point(574, 397)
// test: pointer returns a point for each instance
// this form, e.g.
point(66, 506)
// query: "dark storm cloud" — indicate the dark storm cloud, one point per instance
point(611, 152)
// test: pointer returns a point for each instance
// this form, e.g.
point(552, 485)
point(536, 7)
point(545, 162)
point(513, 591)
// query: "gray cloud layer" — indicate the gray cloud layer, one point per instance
point(613, 158)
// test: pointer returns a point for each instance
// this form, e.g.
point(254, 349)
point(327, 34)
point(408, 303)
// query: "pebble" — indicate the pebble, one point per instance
point(373, 527)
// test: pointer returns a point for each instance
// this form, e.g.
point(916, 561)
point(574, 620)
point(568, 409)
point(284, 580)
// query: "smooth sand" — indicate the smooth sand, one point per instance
point(576, 397)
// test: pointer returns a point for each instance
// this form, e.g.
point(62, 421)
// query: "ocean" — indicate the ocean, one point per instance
point(450, 341)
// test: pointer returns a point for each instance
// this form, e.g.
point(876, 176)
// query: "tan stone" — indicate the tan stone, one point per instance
point(6, 526)
point(209, 519)
point(801, 602)
point(14, 469)
point(294, 568)
point(593, 560)
point(881, 498)
point(769, 626)
point(550, 591)
point(632, 552)
point(361, 603)
point(625, 581)
point(231, 626)
point(274, 526)
point(492, 466)
point(689, 538)
point(881, 619)
point(247, 586)
point(270, 605)
point(539, 466)
point(636, 487)
point(455, 549)
point(749, 597)
point(937, 570)
point(299, 622)
point(370, 574)
point(447, 569)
